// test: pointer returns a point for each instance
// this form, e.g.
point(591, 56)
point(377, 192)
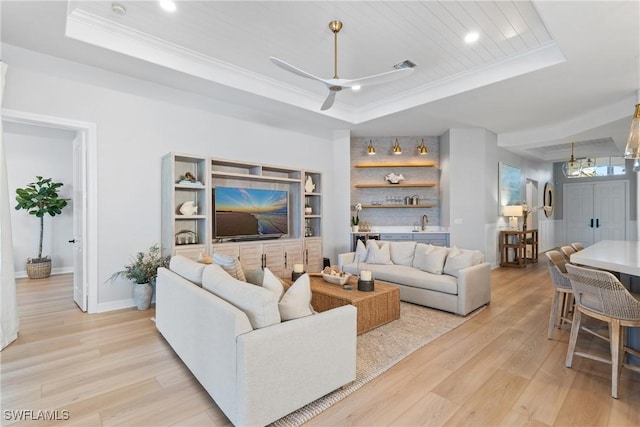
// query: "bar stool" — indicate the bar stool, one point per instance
point(562, 292)
point(577, 246)
point(567, 251)
point(598, 294)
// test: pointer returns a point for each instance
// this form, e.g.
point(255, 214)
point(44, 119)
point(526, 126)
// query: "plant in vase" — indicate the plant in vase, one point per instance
point(143, 271)
point(40, 198)
point(355, 220)
point(526, 210)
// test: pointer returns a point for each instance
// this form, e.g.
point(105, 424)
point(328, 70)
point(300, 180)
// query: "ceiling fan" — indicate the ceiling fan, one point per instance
point(336, 84)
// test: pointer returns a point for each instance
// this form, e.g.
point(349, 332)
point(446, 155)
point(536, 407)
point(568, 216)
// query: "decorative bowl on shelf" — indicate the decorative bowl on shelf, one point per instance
point(336, 279)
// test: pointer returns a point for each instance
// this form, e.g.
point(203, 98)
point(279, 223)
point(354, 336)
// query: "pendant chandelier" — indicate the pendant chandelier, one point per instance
point(572, 166)
point(632, 150)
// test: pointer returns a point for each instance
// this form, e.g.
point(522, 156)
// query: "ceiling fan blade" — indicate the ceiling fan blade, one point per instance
point(285, 66)
point(379, 78)
point(329, 101)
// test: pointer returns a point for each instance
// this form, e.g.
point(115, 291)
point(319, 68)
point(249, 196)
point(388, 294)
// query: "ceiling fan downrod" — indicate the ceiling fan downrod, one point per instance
point(335, 27)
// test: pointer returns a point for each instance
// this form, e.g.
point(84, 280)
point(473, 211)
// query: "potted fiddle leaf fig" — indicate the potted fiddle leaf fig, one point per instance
point(40, 198)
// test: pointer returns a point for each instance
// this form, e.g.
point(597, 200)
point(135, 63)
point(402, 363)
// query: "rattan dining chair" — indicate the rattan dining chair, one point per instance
point(567, 251)
point(598, 294)
point(562, 292)
point(577, 246)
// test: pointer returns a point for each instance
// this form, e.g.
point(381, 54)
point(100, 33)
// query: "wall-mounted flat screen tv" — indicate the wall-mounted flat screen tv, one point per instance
point(250, 213)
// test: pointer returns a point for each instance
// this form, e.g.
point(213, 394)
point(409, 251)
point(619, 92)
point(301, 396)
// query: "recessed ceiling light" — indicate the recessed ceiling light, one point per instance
point(355, 88)
point(168, 5)
point(472, 37)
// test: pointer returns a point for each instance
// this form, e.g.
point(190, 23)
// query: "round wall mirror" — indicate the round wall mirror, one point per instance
point(548, 199)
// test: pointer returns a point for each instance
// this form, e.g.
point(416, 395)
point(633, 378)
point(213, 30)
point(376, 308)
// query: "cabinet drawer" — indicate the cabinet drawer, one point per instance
point(396, 236)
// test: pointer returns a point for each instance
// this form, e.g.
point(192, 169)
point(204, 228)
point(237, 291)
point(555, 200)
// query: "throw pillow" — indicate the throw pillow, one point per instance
point(255, 277)
point(402, 252)
point(430, 258)
point(457, 260)
point(361, 252)
point(296, 302)
point(230, 264)
point(260, 305)
point(271, 283)
point(378, 254)
point(187, 268)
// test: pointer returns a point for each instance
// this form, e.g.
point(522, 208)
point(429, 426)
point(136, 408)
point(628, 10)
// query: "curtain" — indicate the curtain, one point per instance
point(8, 302)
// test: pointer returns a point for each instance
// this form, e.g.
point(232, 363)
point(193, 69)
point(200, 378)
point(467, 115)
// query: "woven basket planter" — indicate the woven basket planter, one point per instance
point(38, 268)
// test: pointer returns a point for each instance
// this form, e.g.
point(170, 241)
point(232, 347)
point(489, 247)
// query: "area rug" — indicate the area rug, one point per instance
point(380, 349)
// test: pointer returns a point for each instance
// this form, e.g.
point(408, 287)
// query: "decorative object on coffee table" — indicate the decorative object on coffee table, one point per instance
point(40, 198)
point(365, 281)
point(298, 270)
point(335, 276)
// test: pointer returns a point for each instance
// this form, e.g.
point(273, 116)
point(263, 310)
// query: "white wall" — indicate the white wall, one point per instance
point(34, 151)
point(137, 123)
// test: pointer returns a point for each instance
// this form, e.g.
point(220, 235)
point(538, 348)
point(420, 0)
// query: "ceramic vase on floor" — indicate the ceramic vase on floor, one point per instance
point(142, 294)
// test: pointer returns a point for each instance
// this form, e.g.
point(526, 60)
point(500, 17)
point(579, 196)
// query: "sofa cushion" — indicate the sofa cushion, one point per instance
point(430, 258)
point(259, 304)
point(361, 252)
point(378, 254)
point(409, 276)
point(230, 264)
point(271, 283)
point(402, 252)
point(296, 302)
point(255, 277)
point(458, 259)
point(187, 268)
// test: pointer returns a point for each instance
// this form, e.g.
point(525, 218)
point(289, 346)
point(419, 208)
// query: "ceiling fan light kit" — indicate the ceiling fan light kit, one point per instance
point(336, 84)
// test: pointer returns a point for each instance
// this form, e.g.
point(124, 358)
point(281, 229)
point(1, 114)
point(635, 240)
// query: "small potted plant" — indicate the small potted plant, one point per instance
point(40, 198)
point(143, 271)
point(355, 220)
point(308, 210)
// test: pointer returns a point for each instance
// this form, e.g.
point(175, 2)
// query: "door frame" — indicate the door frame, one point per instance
point(88, 136)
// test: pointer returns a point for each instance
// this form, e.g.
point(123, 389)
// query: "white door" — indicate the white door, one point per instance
point(595, 211)
point(610, 211)
point(79, 280)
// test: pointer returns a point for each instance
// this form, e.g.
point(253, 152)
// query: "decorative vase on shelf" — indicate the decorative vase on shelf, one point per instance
point(142, 293)
point(354, 228)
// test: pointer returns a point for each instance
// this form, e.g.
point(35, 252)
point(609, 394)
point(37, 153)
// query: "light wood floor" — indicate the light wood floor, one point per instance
point(498, 369)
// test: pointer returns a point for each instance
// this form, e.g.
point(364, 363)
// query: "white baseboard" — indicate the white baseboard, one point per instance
point(54, 272)
point(115, 305)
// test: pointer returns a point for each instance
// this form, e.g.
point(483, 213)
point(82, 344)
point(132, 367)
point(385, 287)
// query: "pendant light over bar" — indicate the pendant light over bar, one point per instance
point(632, 150)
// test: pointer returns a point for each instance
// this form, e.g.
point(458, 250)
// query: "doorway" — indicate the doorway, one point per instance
point(595, 211)
point(85, 199)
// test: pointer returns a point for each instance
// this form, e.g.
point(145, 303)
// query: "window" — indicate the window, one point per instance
point(596, 166)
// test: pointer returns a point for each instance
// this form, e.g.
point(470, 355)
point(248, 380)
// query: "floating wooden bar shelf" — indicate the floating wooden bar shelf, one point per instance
point(399, 206)
point(395, 165)
point(387, 185)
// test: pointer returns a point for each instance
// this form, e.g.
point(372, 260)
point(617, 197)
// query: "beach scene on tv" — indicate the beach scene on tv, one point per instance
point(250, 212)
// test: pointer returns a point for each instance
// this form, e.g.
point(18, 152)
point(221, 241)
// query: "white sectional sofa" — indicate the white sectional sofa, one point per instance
point(449, 279)
point(256, 367)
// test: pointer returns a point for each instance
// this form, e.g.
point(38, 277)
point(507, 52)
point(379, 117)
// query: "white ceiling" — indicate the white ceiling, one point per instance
point(543, 73)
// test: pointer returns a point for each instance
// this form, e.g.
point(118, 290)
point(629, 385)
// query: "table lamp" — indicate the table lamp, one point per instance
point(513, 212)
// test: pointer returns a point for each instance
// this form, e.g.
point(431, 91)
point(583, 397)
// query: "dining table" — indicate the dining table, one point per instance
point(620, 256)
